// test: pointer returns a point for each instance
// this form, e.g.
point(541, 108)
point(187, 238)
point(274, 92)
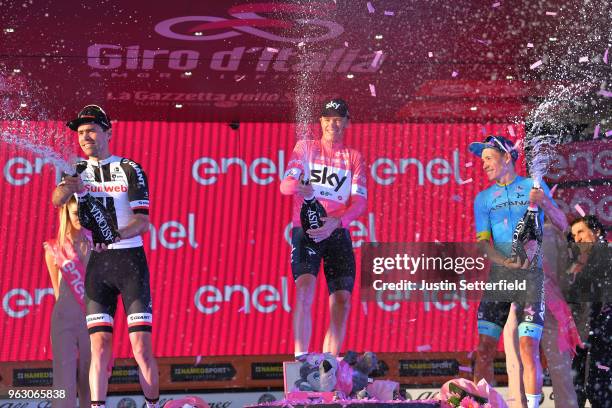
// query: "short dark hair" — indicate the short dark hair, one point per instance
point(593, 223)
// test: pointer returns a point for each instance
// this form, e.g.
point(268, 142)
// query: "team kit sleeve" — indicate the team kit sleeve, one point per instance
point(359, 191)
point(138, 187)
point(481, 217)
point(295, 168)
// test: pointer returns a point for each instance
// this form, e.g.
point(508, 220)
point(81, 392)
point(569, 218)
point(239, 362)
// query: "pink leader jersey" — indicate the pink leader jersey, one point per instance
point(337, 174)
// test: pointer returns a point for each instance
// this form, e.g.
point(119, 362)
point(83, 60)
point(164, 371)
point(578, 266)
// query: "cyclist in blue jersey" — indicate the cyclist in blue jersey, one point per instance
point(497, 211)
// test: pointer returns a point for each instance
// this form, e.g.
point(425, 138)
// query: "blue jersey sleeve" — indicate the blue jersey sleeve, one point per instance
point(481, 217)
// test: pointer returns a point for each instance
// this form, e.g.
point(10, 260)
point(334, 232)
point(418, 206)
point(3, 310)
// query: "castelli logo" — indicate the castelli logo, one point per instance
point(246, 19)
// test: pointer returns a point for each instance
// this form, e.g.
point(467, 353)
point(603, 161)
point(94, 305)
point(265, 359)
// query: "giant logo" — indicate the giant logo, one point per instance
point(245, 20)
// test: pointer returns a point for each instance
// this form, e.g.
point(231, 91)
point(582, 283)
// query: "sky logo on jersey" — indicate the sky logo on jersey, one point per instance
point(326, 176)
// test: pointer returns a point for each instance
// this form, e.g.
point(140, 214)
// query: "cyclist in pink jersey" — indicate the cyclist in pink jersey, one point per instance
point(337, 177)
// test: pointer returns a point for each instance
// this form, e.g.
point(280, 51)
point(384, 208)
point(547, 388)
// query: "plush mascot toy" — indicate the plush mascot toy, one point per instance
point(318, 373)
point(354, 372)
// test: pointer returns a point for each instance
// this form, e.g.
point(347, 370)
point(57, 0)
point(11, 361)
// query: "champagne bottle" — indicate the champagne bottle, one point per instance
point(311, 213)
point(529, 228)
point(94, 217)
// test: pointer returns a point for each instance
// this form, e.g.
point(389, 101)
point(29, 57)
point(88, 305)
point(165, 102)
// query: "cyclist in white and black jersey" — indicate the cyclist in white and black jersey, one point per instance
point(121, 185)
point(120, 268)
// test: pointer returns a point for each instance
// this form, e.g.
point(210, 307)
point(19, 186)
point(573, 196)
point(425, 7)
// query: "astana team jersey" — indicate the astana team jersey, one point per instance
point(121, 185)
point(337, 174)
point(499, 208)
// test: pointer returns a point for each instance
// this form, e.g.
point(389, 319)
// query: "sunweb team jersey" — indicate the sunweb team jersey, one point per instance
point(337, 174)
point(499, 208)
point(121, 185)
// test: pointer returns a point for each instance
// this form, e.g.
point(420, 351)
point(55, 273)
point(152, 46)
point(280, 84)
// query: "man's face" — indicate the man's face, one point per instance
point(333, 127)
point(93, 140)
point(582, 233)
point(494, 163)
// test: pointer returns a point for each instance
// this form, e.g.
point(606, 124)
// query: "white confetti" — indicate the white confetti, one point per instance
point(346, 43)
point(240, 78)
point(579, 210)
point(417, 236)
point(535, 64)
point(529, 45)
point(469, 164)
point(371, 8)
point(241, 309)
point(455, 74)
point(270, 49)
point(603, 367)
point(430, 54)
point(364, 306)
point(496, 4)
point(411, 320)
point(424, 347)
point(511, 131)
point(198, 359)
point(389, 13)
point(376, 60)
point(596, 132)
point(470, 354)
point(485, 42)
point(609, 133)
point(605, 56)
point(583, 59)
point(551, 13)
point(372, 90)
point(467, 181)
point(301, 44)
point(465, 368)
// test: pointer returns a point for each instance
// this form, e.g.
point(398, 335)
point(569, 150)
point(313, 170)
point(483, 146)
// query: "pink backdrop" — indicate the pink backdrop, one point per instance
point(218, 253)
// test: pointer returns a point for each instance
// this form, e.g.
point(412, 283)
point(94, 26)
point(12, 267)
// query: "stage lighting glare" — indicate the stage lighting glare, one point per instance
point(350, 76)
point(188, 73)
point(198, 33)
point(473, 108)
point(552, 39)
point(9, 30)
point(23, 104)
point(178, 105)
point(379, 36)
point(16, 70)
point(509, 77)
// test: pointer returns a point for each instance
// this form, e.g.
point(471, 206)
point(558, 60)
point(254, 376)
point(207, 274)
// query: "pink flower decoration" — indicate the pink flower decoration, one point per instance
point(468, 402)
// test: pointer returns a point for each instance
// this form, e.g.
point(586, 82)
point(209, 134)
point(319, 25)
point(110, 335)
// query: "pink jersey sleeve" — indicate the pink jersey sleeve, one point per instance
point(359, 190)
point(295, 167)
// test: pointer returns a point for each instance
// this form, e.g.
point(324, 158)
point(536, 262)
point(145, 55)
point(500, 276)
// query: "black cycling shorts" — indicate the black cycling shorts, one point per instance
point(530, 307)
point(118, 272)
point(336, 252)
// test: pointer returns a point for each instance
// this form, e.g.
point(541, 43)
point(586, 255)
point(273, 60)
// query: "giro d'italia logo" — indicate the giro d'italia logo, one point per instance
point(246, 20)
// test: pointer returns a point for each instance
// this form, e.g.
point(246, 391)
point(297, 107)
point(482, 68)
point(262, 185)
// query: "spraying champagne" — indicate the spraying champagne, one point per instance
point(312, 210)
point(529, 228)
point(94, 217)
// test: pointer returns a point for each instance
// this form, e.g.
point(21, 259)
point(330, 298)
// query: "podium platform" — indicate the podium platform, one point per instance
point(303, 399)
point(350, 404)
